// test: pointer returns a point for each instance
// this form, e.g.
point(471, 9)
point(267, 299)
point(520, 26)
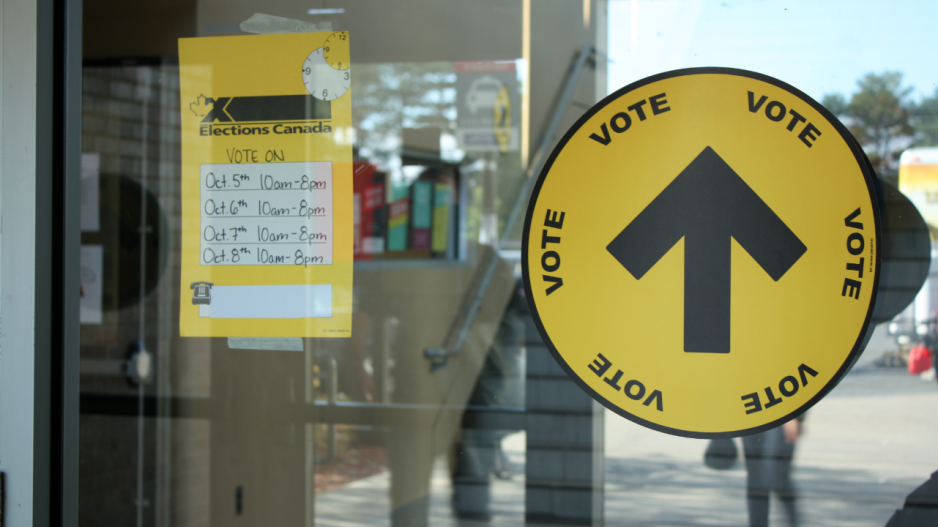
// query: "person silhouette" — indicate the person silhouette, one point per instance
point(769, 458)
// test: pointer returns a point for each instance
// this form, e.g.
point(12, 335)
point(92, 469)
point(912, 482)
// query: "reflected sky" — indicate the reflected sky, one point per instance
point(818, 47)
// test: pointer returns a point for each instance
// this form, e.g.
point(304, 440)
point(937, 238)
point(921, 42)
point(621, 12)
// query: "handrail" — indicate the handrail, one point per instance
point(459, 331)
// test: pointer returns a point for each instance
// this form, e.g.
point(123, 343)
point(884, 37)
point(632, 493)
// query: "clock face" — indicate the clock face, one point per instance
point(322, 80)
point(335, 50)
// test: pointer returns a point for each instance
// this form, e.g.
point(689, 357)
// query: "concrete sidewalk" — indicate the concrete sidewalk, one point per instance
point(866, 446)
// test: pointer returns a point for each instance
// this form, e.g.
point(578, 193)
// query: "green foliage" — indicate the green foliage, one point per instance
point(392, 96)
point(926, 121)
point(836, 103)
point(879, 115)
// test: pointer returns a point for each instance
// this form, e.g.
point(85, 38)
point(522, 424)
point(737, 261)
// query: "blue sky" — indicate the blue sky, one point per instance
point(818, 46)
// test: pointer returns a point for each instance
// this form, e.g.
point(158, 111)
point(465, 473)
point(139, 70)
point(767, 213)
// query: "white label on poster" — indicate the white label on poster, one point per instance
point(269, 301)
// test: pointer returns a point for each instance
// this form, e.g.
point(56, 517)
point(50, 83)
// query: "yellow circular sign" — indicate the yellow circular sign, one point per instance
point(701, 252)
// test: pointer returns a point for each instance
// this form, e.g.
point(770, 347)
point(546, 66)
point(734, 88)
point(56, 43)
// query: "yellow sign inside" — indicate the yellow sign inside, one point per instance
point(701, 252)
point(266, 186)
point(918, 180)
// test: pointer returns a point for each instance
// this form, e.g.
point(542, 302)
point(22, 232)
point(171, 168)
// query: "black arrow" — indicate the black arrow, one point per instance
point(706, 204)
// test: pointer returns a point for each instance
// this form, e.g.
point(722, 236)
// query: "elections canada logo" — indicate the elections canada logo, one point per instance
point(262, 115)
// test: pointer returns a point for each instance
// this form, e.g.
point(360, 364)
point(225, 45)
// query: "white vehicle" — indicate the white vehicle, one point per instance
point(482, 93)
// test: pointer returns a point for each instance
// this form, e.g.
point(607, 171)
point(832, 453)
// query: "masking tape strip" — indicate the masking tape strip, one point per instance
point(266, 343)
point(262, 24)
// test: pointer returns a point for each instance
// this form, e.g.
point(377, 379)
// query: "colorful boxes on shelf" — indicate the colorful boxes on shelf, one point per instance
point(420, 223)
point(370, 211)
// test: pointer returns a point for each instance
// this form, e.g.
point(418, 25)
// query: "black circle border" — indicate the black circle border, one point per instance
point(865, 168)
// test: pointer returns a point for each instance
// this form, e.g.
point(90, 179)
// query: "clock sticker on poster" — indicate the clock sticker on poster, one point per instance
point(327, 74)
point(701, 252)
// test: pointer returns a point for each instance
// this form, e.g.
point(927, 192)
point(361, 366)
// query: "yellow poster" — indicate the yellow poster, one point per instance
point(266, 186)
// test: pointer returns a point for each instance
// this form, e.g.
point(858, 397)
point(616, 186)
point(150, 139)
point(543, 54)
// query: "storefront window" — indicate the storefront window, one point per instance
point(435, 400)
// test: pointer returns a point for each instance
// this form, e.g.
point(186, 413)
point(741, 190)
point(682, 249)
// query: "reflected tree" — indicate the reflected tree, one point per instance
point(392, 96)
point(880, 115)
point(925, 120)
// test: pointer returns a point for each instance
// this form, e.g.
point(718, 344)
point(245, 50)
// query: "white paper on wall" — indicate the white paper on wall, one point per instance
point(92, 267)
point(90, 172)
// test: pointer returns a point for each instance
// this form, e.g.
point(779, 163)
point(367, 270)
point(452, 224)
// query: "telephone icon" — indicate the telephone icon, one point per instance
point(201, 292)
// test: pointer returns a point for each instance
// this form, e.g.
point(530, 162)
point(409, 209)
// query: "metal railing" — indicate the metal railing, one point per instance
point(465, 318)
